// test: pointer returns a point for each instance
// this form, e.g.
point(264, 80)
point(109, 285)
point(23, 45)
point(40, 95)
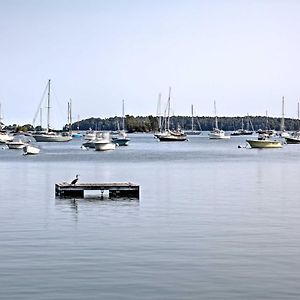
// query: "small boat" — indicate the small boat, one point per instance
point(90, 135)
point(121, 139)
point(76, 135)
point(31, 150)
point(16, 144)
point(172, 136)
point(264, 141)
point(104, 143)
point(243, 131)
point(294, 138)
point(4, 137)
point(216, 133)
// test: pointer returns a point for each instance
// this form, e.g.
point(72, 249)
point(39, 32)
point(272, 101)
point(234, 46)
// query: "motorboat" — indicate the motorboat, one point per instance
point(294, 138)
point(121, 139)
point(90, 135)
point(104, 143)
point(31, 150)
point(4, 137)
point(264, 141)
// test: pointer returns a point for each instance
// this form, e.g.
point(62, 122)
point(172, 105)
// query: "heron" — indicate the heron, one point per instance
point(75, 180)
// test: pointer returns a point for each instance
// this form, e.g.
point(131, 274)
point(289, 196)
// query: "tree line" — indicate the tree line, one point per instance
point(151, 124)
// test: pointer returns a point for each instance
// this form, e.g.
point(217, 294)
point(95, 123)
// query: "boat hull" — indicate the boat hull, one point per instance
point(15, 145)
point(260, 144)
point(103, 146)
point(121, 141)
point(51, 138)
point(30, 150)
point(292, 140)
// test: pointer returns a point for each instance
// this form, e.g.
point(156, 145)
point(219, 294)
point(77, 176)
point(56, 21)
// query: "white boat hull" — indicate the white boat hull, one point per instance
point(264, 144)
point(219, 135)
point(4, 138)
point(31, 150)
point(104, 146)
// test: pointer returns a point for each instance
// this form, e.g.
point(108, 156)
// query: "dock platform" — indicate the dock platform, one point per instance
point(115, 189)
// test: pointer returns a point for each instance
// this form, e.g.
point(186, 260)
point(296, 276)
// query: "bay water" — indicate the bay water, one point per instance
point(213, 221)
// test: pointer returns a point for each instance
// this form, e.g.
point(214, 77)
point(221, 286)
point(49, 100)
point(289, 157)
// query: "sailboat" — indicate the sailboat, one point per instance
point(294, 138)
point(282, 131)
point(170, 135)
point(50, 136)
point(217, 133)
point(121, 139)
point(193, 131)
point(243, 131)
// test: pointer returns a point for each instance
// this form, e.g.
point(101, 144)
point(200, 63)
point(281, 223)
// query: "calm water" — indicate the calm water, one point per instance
point(213, 222)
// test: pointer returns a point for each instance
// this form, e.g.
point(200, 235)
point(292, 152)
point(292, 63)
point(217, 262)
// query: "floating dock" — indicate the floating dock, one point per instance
point(115, 189)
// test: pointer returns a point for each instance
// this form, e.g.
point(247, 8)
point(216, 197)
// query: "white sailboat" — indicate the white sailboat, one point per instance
point(216, 133)
point(50, 136)
point(282, 131)
point(193, 131)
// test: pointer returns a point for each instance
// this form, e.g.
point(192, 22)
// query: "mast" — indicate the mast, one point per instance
point(41, 118)
point(282, 116)
point(216, 118)
point(158, 112)
point(298, 117)
point(0, 118)
point(78, 122)
point(123, 118)
point(192, 108)
point(48, 108)
point(267, 120)
point(70, 115)
point(168, 107)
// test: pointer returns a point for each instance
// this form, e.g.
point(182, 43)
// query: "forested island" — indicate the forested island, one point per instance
point(151, 123)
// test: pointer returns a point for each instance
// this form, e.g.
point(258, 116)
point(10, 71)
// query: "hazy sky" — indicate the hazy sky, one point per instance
point(243, 54)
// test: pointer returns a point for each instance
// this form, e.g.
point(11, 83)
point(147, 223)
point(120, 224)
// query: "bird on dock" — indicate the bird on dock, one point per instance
point(75, 180)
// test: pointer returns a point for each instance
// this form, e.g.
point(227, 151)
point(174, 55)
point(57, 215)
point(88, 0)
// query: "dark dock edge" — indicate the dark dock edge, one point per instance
point(115, 189)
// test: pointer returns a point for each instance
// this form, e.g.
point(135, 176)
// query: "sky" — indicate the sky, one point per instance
point(242, 54)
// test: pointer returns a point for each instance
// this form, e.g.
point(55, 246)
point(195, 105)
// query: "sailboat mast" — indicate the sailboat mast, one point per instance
point(70, 115)
point(158, 112)
point(282, 116)
point(123, 117)
point(48, 108)
point(0, 117)
point(192, 108)
point(216, 118)
point(169, 104)
point(41, 118)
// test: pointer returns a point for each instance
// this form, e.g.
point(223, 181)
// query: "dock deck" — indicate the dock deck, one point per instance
point(115, 189)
